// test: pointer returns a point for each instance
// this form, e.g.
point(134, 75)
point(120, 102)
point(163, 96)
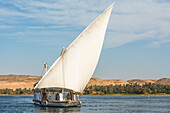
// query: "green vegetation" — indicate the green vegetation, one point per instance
point(16, 92)
point(128, 89)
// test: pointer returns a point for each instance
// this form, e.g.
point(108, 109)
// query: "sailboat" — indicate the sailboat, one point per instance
point(70, 73)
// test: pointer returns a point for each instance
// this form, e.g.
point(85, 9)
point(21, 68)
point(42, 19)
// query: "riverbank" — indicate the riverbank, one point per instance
point(102, 95)
point(130, 95)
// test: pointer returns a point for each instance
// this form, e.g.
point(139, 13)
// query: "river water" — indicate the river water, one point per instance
point(91, 104)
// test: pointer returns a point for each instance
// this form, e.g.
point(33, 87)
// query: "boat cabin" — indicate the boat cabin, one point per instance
point(55, 95)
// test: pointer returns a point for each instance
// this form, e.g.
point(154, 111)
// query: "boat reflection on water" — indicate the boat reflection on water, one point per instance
point(58, 109)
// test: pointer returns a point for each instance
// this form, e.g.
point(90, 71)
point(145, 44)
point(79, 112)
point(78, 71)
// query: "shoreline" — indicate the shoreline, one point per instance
point(130, 95)
point(105, 95)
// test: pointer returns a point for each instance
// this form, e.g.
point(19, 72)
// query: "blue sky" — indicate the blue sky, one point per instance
point(137, 42)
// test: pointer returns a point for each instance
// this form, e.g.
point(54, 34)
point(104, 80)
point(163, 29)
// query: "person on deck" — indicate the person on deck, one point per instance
point(60, 97)
point(74, 97)
point(57, 96)
point(44, 95)
point(68, 96)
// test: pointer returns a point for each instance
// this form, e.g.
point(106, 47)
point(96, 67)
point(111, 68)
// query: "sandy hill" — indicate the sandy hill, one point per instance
point(26, 81)
point(164, 81)
point(97, 81)
point(141, 81)
point(18, 81)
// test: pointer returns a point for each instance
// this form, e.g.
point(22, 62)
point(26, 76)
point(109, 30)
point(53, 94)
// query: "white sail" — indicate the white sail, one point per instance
point(74, 68)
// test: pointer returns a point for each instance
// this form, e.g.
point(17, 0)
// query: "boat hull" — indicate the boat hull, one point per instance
point(58, 104)
point(54, 97)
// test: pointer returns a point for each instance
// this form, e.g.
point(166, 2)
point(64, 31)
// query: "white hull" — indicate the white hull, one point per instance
point(58, 104)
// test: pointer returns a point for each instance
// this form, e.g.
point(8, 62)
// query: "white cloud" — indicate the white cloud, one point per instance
point(165, 41)
point(131, 20)
point(155, 44)
point(5, 27)
point(159, 43)
point(45, 27)
point(134, 20)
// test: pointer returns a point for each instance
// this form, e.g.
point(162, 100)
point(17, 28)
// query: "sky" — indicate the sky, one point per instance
point(136, 45)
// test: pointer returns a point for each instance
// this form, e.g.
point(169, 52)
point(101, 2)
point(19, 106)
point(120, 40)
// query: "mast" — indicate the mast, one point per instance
point(45, 69)
point(63, 49)
point(45, 66)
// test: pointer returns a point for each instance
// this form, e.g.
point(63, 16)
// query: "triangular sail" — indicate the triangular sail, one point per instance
point(74, 68)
